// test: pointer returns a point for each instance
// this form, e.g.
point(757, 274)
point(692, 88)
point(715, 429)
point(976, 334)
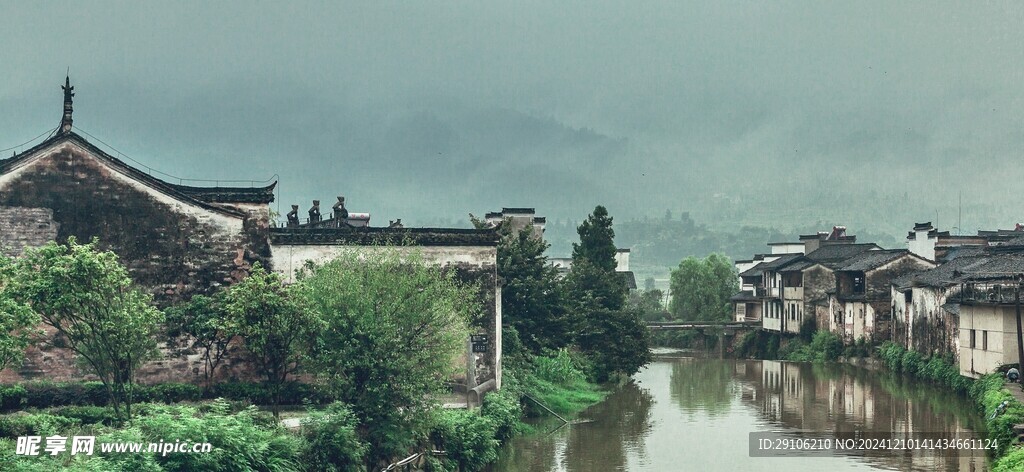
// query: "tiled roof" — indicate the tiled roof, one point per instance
point(780, 262)
point(869, 260)
point(744, 296)
point(755, 271)
point(628, 278)
point(798, 265)
point(986, 266)
point(831, 255)
point(995, 267)
point(206, 197)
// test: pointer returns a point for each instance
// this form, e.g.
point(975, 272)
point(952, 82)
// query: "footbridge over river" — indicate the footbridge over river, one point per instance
point(704, 325)
point(724, 329)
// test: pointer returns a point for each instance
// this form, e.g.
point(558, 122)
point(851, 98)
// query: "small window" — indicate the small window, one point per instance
point(908, 296)
point(973, 341)
point(858, 284)
point(984, 340)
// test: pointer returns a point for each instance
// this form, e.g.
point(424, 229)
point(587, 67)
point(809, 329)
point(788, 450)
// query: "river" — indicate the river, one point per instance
point(695, 414)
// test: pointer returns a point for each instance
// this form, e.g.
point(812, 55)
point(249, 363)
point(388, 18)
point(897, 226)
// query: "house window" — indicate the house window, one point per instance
point(984, 340)
point(973, 340)
point(908, 296)
point(858, 284)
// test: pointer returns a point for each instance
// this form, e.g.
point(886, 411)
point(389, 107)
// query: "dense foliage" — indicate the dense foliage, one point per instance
point(533, 297)
point(612, 336)
point(88, 298)
point(209, 326)
point(332, 441)
point(393, 327)
point(701, 289)
point(825, 346)
point(17, 319)
point(277, 326)
point(43, 394)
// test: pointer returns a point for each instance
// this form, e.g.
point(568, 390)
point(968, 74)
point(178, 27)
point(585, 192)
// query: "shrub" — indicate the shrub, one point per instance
point(259, 394)
point(332, 443)
point(504, 409)
point(239, 443)
point(1011, 462)
point(13, 397)
point(560, 369)
point(35, 424)
point(467, 437)
point(168, 393)
point(86, 414)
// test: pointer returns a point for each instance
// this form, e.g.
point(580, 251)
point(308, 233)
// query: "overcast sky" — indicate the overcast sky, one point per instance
point(421, 110)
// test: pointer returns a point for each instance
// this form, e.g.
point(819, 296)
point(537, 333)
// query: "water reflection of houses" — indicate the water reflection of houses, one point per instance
point(837, 399)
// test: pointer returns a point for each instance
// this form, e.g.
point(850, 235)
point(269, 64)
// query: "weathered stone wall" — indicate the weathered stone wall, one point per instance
point(170, 247)
point(921, 324)
point(22, 228)
point(52, 361)
point(818, 282)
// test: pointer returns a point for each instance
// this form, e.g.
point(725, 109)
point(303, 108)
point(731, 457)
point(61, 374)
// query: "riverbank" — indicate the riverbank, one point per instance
point(553, 386)
point(1001, 409)
point(686, 412)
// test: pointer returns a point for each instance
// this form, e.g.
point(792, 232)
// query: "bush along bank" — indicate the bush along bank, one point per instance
point(1000, 409)
point(472, 439)
point(330, 439)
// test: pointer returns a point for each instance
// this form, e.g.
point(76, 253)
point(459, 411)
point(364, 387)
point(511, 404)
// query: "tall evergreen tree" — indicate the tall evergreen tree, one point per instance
point(597, 241)
point(612, 336)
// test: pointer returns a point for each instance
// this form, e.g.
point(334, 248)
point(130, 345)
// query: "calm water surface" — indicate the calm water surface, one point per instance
point(696, 414)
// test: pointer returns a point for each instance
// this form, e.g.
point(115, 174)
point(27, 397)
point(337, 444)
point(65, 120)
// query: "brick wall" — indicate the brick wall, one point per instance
point(22, 227)
point(172, 248)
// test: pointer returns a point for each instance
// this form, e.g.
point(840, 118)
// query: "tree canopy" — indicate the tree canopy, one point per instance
point(87, 297)
point(393, 328)
point(701, 288)
point(277, 326)
point(612, 336)
point(16, 317)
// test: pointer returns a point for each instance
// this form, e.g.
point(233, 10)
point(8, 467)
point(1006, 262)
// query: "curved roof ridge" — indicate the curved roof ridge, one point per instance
point(178, 192)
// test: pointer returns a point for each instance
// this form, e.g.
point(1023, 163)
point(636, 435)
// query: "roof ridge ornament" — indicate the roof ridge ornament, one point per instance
point(69, 93)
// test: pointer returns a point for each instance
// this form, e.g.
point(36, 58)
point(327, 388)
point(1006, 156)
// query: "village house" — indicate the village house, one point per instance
point(778, 280)
point(179, 240)
point(862, 302)
point(747, 302)
point(814, 275)
point(922, 317)
point(932, 244)
point(988, 300)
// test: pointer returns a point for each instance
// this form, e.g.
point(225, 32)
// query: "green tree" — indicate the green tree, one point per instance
point(88, 298)
point(648, 304)
point(276, 325)
point(612, 336)
point(597, 241)
point(16, 318)
point(701, 288)
point(394, 327)
point(210, 328)
point(532, 296)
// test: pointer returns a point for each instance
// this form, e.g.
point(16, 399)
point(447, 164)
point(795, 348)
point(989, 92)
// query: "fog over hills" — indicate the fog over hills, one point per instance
point(792, 116)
